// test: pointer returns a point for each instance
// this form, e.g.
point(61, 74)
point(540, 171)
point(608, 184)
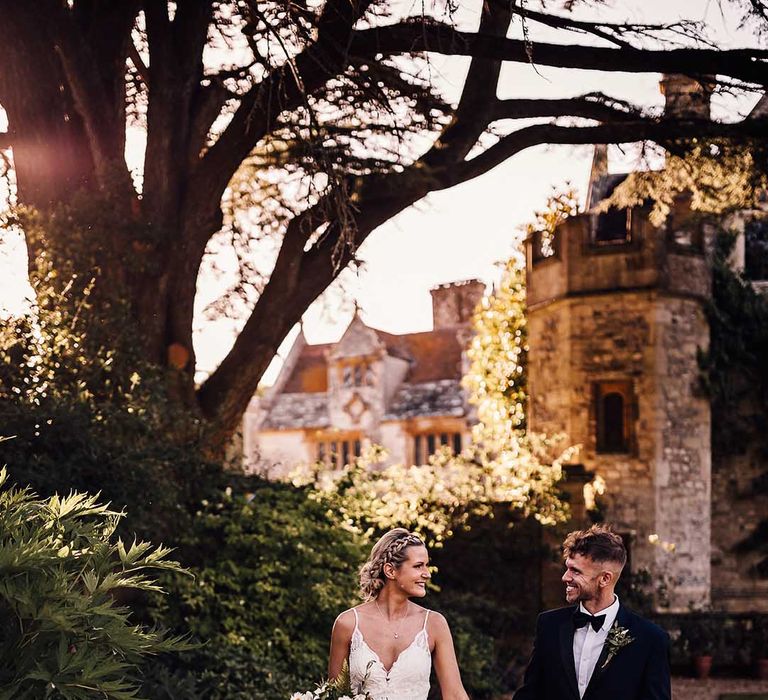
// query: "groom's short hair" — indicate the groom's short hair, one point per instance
point(600, 543)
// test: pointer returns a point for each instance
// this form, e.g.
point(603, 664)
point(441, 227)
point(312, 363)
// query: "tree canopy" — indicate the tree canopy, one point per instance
point(300, 126)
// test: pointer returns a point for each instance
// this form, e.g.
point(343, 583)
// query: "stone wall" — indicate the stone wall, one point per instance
point(277, 453)
point(683, 463)
point(657, 492)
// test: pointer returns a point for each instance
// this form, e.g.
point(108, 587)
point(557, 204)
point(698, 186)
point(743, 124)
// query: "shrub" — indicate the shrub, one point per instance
point(272, 573)
point(63, 632)
point(87, 412)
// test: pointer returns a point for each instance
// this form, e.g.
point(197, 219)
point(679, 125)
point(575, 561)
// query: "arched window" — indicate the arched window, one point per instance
point(613, 423)
point(613, 417)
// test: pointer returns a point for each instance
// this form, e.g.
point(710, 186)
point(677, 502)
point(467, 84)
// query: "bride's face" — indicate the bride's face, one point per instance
point(412, 575)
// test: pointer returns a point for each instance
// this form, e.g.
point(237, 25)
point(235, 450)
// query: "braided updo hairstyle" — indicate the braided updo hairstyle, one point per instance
point(390, 549)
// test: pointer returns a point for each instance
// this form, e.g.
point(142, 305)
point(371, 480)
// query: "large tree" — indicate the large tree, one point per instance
point(306, 123)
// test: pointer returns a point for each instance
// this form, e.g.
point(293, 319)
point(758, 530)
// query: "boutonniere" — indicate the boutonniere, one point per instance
point(617, 639)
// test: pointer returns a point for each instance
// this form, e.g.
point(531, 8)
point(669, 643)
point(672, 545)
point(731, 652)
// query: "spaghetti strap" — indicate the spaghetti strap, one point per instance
point(357, 619)
point(426, 617)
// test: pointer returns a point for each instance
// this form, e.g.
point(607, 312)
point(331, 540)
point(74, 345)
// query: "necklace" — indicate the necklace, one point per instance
point(395, 631)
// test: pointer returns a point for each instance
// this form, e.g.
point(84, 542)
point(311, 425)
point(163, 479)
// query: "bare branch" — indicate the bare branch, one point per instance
point(627, 132)
point(138, 63)
point(285, 88)
point(478, 98)
point(750, 65)
point(594, 106)
point(225, 394)
point(613, 32)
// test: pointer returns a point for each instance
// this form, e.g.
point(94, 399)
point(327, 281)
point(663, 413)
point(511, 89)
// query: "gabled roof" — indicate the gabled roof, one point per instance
point(432, 355)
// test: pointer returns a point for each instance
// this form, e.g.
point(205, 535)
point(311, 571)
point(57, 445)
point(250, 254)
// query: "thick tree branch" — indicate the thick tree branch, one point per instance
point(285, 88)
point(176, 70)
point(597, 107)
point(300, 277)
point(627, 132)
point(750, 65)
point(478, 98)
point(296, 281)
point(93, 101)
point(226, 393)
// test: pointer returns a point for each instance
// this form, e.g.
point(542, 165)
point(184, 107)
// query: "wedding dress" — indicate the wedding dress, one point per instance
point(408, 679)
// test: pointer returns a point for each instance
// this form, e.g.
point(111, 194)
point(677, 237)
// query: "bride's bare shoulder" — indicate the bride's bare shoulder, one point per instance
point(345, 622)
point(433, 614)
point(436, 623)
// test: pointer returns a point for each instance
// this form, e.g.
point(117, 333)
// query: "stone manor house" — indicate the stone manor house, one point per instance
point(399, 391)
point(616, 320)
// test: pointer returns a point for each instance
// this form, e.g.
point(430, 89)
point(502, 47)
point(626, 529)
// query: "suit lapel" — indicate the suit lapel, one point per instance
point(600, 668)
point(566, 653)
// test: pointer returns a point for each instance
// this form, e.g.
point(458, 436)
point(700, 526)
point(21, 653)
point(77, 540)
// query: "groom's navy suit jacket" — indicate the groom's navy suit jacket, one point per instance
point(639, 671)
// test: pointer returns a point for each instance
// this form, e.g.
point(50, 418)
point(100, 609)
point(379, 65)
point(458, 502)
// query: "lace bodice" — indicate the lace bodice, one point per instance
point(408, 679)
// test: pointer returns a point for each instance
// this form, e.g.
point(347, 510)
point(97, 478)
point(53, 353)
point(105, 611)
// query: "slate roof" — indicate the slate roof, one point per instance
point(441, 398)
point(297, 411)
point(310, 410)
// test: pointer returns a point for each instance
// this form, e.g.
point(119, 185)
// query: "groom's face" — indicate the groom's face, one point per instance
point(581, 579)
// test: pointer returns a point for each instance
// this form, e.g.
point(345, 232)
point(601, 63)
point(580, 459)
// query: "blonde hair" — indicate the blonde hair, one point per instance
point(390, 549)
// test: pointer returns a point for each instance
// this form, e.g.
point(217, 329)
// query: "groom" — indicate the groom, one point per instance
point(596, 648)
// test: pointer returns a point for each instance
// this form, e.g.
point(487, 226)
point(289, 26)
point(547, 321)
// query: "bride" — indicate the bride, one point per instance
point(390, 641)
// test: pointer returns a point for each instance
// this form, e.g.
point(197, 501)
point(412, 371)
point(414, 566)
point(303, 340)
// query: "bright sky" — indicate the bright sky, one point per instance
point(453, 235)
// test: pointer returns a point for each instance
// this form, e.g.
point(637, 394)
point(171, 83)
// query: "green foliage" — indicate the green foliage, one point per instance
point(490, 622)
point(63, 633)
point(498, 353)
point(716, 177)
point(272, 573)
point(438, 498)
point(735, 374)
point(86, 412)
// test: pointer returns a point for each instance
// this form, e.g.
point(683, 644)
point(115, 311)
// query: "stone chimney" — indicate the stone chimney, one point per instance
point(686, 97)
point(454, 303)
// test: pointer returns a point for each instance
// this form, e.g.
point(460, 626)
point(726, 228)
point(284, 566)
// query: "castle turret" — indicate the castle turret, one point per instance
point(616, 318)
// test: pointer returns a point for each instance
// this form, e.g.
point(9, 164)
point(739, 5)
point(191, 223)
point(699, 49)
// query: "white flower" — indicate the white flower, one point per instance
point(296, 696)
point(361, 696)
point(344, 697)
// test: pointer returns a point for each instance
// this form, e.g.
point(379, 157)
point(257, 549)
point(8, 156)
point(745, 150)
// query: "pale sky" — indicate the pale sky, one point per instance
point(456, 234)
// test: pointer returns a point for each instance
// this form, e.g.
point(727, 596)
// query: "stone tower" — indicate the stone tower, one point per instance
point(616, 320)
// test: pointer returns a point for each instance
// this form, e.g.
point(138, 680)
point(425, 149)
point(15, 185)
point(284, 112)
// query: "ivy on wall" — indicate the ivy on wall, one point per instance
point(735, 375)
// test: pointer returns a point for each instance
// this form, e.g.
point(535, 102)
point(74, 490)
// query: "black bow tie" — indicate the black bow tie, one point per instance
point(581, 619)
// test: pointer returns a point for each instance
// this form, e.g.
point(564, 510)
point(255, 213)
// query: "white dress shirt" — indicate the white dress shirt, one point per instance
point(587, 644)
